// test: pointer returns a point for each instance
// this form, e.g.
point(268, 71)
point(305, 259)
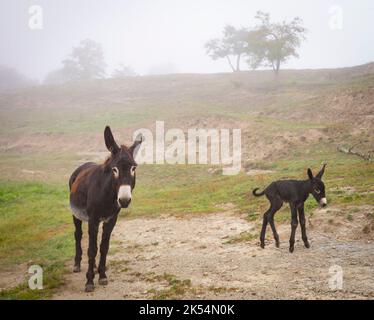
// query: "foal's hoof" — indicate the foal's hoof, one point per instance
point(307, 245)
point(262, 245)
point(90, 288)
point(292, 249)
point(103, 281)
point(77, 269)
point(277, 244)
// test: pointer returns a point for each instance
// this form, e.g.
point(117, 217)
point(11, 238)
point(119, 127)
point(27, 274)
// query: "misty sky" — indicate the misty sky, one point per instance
point(170, 34)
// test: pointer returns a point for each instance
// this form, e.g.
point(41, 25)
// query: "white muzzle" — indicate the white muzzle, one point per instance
point(124, 195)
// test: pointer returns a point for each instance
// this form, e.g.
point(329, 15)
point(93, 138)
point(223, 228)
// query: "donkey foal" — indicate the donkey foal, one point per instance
point(295, 193)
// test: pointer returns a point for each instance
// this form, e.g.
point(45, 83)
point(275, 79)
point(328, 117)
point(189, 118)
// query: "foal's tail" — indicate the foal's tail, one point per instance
point(254, 192)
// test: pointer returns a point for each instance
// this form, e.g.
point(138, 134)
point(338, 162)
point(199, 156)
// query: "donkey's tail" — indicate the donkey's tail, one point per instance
point(254, 192)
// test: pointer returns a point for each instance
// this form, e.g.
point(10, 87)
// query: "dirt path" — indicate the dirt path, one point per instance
point(201, 258)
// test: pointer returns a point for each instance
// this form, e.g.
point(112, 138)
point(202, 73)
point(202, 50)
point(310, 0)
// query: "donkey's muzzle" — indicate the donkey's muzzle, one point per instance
point(323, 202)
point(124, 196)
point(124, 203)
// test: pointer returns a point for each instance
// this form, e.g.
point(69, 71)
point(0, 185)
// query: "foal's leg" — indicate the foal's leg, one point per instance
point(294, 223)
point(263, 230)
point(93, 228)
point(274, 208)
point(104, 247)
point(78, 247)
point(302, 224)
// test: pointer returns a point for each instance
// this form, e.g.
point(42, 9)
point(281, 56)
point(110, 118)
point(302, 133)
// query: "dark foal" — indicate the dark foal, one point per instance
point(295, 193)
point(97, 194)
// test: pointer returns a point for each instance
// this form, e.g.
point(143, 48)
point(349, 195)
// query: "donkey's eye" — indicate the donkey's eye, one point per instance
point(115, 172)
point(132, 170)
point(317, 190)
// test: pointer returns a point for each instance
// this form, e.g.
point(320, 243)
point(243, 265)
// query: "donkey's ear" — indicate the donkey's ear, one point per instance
point(320, 174)
point(109, 141)
point(310, 174)
point(136, 145)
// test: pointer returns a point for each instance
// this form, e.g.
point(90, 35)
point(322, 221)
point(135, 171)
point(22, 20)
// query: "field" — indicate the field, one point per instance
point(192, 232)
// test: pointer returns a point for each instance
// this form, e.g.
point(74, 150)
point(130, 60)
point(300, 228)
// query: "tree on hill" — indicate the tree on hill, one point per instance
point(267, 44)
point(86, 62)
point(280, 40)
point(254, 48)
point(12, 79)
point(232, 45)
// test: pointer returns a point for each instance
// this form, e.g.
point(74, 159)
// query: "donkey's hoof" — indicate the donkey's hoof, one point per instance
point(90, 288)
point(277, 244)
point(77, 269)
point(292, 249)
point(307, 245)
point(103, 281)
point(262, 245)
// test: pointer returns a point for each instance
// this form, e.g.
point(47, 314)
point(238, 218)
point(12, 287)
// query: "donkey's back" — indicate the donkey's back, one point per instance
point(79, 170)
point(79, 183)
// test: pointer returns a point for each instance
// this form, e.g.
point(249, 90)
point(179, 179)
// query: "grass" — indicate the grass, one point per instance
point(33, 215)
point(175, 290)
point(35, 229)
point(52, 279)
point(242, 237)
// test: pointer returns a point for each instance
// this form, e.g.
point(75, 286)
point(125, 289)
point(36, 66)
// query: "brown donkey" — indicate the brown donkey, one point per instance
point(97, 193)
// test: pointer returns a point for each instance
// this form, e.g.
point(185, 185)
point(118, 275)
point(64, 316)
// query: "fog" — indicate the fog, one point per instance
point(169, 35)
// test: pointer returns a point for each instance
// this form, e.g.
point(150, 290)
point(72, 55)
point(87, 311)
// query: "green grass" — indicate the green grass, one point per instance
point(242, 237)
point(176, 288)
point(52, 279)
point(35, 228)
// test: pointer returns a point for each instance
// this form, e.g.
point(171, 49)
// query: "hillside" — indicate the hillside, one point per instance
point(318, 102)
point(288, 124)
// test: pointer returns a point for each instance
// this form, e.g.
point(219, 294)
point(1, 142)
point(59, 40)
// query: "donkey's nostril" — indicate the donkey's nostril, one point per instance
point(323, 202)
point(124, 203)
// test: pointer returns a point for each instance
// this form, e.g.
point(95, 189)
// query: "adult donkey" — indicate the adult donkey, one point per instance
point(97, 193)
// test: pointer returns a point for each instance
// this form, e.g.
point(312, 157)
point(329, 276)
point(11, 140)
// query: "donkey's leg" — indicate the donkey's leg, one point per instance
point(294, 223)
point(93, 228)
point(104, 247)
point(303, 228)
point(78, 247)
point(274, 208)
point(265, 221)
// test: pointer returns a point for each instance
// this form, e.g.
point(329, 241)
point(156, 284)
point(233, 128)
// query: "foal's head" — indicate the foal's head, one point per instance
point(318, 187)
point(122, 167)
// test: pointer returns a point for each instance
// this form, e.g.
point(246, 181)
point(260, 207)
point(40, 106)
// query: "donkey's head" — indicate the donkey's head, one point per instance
point(122, 167)
point(318, 187)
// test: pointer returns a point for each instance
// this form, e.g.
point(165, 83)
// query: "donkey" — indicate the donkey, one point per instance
point(97, 194)
point(295, 193)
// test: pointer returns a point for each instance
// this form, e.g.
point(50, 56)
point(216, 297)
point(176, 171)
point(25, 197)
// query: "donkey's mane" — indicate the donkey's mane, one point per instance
point(123, 149)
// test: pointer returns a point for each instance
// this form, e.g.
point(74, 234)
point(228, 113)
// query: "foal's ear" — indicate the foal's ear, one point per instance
point(136, 145)
point(320, 174)
point(310, 174)
point(109, 141)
